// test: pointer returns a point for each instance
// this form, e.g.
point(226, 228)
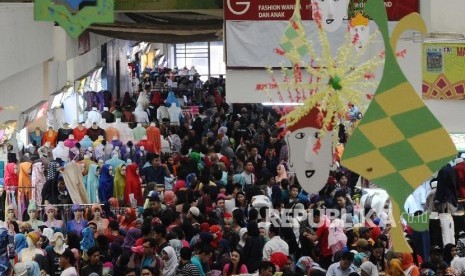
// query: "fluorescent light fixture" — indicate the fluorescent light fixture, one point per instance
point(281, 104)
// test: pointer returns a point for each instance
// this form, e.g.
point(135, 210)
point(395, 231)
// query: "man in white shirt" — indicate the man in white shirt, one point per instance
point(276, 244)
point(344, 267)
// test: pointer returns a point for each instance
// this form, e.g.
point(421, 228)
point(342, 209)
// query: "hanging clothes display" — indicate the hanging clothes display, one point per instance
point(91, 100)
point(105, 189)
point(133, 185)
point(70, 104)
point(153, 134)
point(72, 176)
point(11, 176)
point(25, 170)
point(120, 182)
point(36, 136)
point(64, 132)
point(147, 144)
point(50, 136)
point(92, 183)
point(111, 132)
point(94, 132)
point(38, 181)
point(79, 132)
point(139, 132)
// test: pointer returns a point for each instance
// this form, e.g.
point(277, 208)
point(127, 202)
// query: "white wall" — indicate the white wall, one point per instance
point(25, 42)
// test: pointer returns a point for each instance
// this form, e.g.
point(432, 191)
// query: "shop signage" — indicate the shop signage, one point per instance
point(459, 141)
point(442, 67)
point(165, 5)
point(283, 9)
point(72, 21)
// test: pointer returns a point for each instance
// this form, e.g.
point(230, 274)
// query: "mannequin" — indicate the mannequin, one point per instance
point(153, 134)
point(140, 115)
point(92, 183)
point(108, 116)
point(143, 100)
point(147, 144)
point(53, 254)
point(120, 182)
point(45, 151)
point(86, 142)
point(52, 222)
point(105, 187)
point(114, 162)
point(10, 222)
point(64, 132)
point(71, 141)
point(162, 113)
point(78, 223)
point(111, 132)
point(125, 133)
point(25, 170)
point(141, 156)
point(116, 142)
point(139, 131)
point(50, 136)
point(80, 131)
point(11, 178)
point(116, 152)
point(103, 124)
point(93, 117)
point(34, 216)
point(99, 148)
point(28, 254)
point(133, 185)
point(108, 151)
point(95, 131)
point(61, 151)
point(175, 114)
point(36, 136)
point(102, 223)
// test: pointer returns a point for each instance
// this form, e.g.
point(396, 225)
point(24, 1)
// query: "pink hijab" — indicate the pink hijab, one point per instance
point(282, 174)
point(336, 238)
point(11, 177)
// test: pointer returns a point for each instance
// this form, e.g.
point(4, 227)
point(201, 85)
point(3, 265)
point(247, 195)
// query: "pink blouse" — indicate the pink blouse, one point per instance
point(243, 269)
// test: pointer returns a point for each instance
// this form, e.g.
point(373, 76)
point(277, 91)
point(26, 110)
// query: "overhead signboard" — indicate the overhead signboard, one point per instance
point(166, 5)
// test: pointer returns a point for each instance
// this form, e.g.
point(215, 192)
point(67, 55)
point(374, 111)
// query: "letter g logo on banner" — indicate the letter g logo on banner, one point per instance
point(238, 5)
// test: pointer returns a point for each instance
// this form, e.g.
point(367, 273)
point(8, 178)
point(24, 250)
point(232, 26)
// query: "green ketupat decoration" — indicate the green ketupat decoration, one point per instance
point(398, 143)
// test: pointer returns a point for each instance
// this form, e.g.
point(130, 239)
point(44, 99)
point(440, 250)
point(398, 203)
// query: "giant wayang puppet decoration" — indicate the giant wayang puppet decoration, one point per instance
point(399, 143)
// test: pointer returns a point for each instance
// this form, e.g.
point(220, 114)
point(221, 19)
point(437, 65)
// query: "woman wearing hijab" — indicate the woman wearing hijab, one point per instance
point(253, 248)
point(128, 220)
point(281, 174)
point(131, 236)
point(133, 185)
point(38, 181)
point(11, 175)
point(105, 188)
point(368, 269)
point(337, 240)
point(24, 179)
point(170, 261)
point(20, 243)
point(408, 266)
point(242, 238)
point(92, 183)
point(395, 268)
point(217, 233)
point(88, 240)
point(120, 182)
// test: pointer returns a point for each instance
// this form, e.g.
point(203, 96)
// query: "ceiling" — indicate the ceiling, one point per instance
point(163, 27)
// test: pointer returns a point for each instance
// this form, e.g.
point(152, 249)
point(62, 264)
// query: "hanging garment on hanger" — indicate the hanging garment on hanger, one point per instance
point(105, 188)
point(63, 134)
point(447, 228)
point(25, 170)
point(153, 134)
point(446, 187)
point(11, 177)
point(74, 183)
point(79, 133)
point(92, 183)
point(139, 132)
point(111, 132)
point(38, 181)
point(33, 136)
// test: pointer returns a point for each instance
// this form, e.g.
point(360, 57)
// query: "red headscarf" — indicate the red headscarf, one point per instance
point(128, 222)
point(133, 185)
point(279, 259)
point(216, 230)
point(11, 178)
